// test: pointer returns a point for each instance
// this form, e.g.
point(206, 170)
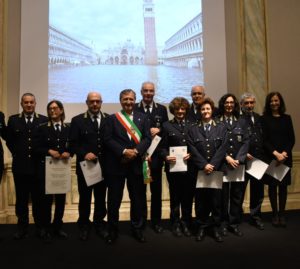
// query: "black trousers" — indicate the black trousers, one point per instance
point(85, 199)
point(232, 200)
point(181, 188)
point(208, 201)
point(59, 200)
point(256, 196)
point(27, 187)
point(135, 186)
point(156, 193)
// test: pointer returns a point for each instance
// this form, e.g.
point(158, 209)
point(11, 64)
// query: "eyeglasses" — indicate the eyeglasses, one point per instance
point(249, 102)
point(229, 103)
point(55, 108)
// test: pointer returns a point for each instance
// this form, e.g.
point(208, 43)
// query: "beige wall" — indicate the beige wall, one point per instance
point(283, 21)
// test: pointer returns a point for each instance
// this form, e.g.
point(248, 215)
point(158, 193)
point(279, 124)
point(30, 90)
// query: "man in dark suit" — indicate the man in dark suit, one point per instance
point(3, 135)
point(86, 142)
point(256, 150)
point(157, 114)
point(127, 138)
point(20, 131)
point(197, 94)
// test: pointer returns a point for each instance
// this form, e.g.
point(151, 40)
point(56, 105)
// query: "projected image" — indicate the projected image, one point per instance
point(110, 45)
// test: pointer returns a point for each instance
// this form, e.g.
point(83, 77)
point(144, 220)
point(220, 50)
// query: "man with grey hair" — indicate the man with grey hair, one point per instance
point(197, 94)
point(86, 142)
point(255, 150)
point(156, 115)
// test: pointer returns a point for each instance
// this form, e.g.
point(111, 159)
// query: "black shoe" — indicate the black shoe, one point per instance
point(275, 221)
point(223, 231)
point(236, 231)
point(200, 235)
point(257, 223)
point(217, 236)
point(138, 235)
point(47, 238)
point(185, 230)
point(83, 234)
point(157, 228)
point(101, 231)
point(21, 233)
point(282, 222)
point(61, 234)
point(176, 230)
point(111, 238)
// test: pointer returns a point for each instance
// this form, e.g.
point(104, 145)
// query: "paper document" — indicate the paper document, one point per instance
point(57, 175)
point(180, 165)
point(212, 181)
point(155, 141)
point(256, 168)
point(278, 172)
point(235, 175)
point(91, 171)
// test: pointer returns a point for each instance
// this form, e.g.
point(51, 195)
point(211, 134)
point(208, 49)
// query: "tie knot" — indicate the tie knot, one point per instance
point(57, 127)
point(207, 126)
point(95, 117)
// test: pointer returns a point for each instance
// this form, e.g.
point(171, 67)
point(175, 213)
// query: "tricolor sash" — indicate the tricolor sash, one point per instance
point(136, 136)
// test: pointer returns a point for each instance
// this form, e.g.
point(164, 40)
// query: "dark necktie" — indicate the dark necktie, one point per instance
point(57, 128)
point(29, 122)
point(95, 122)
point(207, 129)
point(228, 121)
point(147, 109)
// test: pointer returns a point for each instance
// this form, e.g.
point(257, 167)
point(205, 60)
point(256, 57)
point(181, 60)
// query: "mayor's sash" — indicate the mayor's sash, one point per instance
point(136, 136)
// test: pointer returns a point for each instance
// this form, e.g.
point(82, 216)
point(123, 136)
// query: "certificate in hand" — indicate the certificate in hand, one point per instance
point(180, 165)
point(235, 175)
point(91, 171)
point(278, 172)
point(256, 168)
point(154, 144)
point(212, 181)
point(58, 176)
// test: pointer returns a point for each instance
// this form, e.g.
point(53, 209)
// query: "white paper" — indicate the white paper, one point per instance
point(155, 141)
point(180, 165)
point(57, 175)
point(235, 175)
point(212, 181)
point(278, 172)
point(256, 168)
point(91, 171)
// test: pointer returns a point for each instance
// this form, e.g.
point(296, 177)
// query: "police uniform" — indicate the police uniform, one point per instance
point(208, 148)
point(19, 141)
point(156, 117)
point(256, 149)
point(181, 184)
point(85, 138)
point(232, 192)
point(48, 138)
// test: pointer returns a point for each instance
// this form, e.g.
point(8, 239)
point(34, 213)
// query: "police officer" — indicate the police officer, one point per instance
point(197, 94)
point(232, 192)
point(20, 130)
point(208, 144)
point(256, 150)
point(181, 184)
point(87, 143)
point(52, 140)
point(157, 115)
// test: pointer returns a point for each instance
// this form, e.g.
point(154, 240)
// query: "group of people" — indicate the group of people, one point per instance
point(216, 138)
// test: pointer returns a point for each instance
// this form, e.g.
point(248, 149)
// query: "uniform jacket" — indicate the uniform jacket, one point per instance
point(174, 135)
point(157, 117)
point(208, 148)
point(20, 142)
point(116, 140)
point(2, 135)
point(84, 138)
